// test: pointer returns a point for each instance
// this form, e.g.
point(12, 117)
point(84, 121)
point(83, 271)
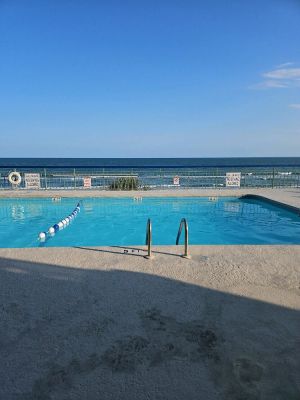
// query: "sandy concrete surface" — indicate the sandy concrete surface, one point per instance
point(95, 323)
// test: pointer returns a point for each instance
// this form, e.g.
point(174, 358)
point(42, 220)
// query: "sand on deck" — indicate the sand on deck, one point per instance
point(95, 323)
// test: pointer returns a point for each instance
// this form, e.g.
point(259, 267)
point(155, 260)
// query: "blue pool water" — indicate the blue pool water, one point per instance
point(122, 221)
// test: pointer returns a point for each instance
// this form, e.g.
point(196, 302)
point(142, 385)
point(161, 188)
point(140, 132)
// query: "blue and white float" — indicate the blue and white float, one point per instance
point(43, 236)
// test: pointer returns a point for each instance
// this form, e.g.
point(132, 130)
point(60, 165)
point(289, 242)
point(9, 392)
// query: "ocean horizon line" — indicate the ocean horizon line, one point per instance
point(149, 163)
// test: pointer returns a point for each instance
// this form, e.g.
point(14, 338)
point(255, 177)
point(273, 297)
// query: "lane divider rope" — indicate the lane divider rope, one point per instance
point(43, 236)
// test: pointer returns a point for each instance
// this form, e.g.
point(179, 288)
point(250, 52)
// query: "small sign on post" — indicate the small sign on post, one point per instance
point(32, 181)
point(176, 180)
point(87, 182)
point(233, 179)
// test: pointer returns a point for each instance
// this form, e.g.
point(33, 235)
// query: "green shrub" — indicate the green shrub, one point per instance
point(125, 183)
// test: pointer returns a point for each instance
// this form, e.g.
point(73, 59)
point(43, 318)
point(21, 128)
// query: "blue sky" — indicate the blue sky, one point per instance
point(160, 78)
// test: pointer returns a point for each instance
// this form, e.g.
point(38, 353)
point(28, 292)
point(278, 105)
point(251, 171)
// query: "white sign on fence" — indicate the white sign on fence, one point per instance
point(87, 182)
point(32, 181)
point(176, 180)
point(233, 179)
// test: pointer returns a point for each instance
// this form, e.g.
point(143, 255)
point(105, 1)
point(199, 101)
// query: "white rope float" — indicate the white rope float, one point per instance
point(60, 225)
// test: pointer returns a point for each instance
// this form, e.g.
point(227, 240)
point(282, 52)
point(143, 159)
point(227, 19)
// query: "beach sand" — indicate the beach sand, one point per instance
point(95, 323)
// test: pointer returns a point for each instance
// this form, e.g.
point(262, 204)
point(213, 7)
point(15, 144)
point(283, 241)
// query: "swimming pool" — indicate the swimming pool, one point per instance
point(122, 221)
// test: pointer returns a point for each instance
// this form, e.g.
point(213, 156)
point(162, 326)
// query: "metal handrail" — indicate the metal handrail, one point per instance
point(149, 239)
point(186, 237)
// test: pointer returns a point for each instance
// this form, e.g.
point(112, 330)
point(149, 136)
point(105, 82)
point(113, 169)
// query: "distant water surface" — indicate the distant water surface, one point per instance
point(149, 162)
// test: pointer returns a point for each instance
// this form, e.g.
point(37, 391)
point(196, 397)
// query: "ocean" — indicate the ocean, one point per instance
point(243, 162)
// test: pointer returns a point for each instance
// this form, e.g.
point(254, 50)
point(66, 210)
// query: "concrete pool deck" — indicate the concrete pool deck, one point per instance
point(98, 323)
point(95, 323)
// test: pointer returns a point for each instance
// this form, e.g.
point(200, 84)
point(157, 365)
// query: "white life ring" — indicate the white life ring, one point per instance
point(15, 178)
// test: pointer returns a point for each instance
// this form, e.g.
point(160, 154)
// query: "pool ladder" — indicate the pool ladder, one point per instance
point(183, 223)
point(149, 239)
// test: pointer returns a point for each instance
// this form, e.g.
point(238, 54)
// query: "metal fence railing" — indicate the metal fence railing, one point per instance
point(150, 178)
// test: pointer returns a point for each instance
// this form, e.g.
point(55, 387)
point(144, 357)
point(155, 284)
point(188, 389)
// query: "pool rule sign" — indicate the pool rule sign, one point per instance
point(176, 180)
point(87, 182)
point(233, 179)
point(32, 181)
